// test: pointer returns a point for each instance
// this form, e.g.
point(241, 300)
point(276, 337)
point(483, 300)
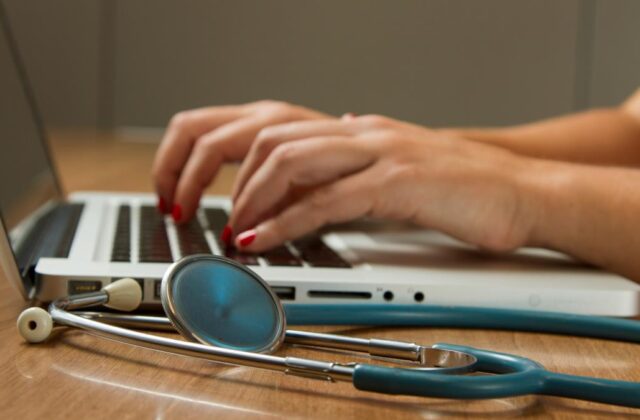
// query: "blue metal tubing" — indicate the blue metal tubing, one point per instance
point(516, 376)
point(465, 317)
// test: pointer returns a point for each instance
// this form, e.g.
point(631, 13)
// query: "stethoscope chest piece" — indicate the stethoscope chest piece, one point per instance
point(219, 302)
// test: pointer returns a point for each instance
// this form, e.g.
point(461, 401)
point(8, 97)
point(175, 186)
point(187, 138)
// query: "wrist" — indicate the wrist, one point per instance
point(543, 188)
point(494, 136)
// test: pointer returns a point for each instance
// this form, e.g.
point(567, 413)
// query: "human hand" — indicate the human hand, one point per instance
point(375, 166)
point(198, 141)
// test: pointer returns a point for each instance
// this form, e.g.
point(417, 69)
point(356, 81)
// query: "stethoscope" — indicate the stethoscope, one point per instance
point(229, 314)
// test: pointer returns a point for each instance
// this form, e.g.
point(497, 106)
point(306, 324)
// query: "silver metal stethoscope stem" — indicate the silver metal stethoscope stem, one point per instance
point(426, 356)
point(288, 365)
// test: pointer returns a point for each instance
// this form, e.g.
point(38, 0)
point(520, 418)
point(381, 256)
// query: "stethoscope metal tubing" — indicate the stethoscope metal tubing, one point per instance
point(289, 365)
point(426, 356)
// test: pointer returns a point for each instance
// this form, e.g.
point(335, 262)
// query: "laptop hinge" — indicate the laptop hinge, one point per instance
point(50, 236)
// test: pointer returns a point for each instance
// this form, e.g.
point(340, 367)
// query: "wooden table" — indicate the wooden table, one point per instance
point(76, 375)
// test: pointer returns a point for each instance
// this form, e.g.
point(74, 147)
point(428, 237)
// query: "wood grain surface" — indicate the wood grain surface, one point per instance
point(76, 375)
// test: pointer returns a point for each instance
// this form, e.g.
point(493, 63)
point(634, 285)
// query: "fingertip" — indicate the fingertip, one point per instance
point(162, 205)
point(176, 213)
point(246, 238)
point(226, 235)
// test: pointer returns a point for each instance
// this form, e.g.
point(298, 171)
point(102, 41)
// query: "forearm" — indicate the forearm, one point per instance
point(603, 136)
point(588, 212)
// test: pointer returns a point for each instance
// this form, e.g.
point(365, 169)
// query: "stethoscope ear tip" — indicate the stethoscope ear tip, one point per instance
point(35, 325)
point(124, 295)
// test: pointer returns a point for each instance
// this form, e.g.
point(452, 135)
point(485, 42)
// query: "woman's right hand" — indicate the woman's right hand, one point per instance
point(198, 141)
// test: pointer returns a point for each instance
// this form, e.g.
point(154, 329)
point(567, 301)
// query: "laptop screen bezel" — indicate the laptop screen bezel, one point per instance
point(8, 258)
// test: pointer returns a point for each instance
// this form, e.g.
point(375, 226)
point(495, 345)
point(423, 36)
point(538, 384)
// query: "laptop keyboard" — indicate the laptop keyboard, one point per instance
point(154, 244)
point(121, 243)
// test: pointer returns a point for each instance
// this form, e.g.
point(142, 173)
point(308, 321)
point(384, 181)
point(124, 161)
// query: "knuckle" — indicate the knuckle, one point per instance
point(206, 143)
point(263, 147)
point(385, 140)
point(202, 149)
point(181, 120)
point(285, 154)
point(264, 134)
point(321, 199)
point(277, 110)
point(376, 121)
point(265, 102)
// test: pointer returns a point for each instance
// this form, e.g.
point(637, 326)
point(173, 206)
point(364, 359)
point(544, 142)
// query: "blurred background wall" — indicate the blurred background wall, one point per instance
point(134, 63)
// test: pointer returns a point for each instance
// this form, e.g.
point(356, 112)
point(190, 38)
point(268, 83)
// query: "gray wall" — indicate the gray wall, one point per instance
point(438, 62)
point(58, 40)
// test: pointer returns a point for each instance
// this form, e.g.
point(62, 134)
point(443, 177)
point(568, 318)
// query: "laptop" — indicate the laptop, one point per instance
point(52, 245)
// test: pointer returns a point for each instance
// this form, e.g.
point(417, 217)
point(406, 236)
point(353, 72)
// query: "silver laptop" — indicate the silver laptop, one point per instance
point(51, 245)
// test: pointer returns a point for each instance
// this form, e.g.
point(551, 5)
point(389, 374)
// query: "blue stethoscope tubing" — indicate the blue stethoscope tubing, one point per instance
point(517, 375)
point(465, 317)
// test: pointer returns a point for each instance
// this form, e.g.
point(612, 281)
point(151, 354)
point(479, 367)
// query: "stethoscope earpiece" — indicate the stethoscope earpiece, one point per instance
point(35, 325)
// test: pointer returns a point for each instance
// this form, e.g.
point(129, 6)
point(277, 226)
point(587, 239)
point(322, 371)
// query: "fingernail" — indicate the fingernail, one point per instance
point(176, 213)
point(162, 205)
point(246, 237)
point(225, 236)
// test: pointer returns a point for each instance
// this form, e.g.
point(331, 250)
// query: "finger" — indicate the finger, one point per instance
point(309, 162)
point(349, 198)
point(178, 141)
point(273, 136)
point(229, 142)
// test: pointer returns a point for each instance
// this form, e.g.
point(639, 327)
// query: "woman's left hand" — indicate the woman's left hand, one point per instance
point(382, 168)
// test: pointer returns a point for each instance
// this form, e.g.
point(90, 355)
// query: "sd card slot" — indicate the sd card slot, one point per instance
point(338, 294)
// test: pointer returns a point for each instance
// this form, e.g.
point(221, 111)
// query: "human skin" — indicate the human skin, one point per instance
point(564, 184)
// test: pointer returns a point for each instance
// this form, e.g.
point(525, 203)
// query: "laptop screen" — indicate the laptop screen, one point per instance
point(27, 180)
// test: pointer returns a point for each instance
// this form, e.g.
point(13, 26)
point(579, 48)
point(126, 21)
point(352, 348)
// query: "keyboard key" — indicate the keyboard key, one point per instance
point(314, 251)
point(191, 238)
point(281, 256)
point(217, 219)
point(122, 241)
point(154, 242)
point(69, 216)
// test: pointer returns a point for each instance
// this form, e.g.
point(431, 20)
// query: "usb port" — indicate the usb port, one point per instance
point(284, 292)
point(75, 287)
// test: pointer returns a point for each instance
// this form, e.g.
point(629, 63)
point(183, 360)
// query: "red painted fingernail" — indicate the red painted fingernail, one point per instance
point(162, 205)
point(225, 236)
point(176, 213)
point(246, 237)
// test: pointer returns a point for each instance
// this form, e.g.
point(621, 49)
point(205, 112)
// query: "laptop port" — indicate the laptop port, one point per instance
point(418, 296)
point(388, 295)
point(284, 292)
point(75, 287)
point(156, 289)
point(338, 294)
